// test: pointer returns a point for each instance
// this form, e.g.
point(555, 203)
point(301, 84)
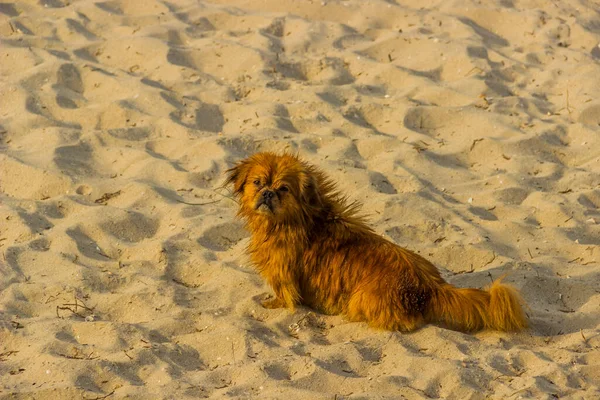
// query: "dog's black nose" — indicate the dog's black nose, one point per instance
point(268, 195)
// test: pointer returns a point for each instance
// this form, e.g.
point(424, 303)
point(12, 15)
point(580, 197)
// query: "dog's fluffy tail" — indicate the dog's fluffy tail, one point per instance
point(498, 308)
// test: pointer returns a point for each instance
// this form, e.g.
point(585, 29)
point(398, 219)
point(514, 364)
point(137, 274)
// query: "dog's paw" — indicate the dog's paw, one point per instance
point(272, 302)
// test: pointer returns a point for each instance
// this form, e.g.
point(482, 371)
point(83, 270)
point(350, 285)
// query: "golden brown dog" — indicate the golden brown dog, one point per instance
point(313, 249)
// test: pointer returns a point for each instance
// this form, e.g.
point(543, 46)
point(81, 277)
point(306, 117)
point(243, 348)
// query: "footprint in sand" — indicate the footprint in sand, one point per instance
point(132, 227)
point(511, 196)
point(329, 70)
point(483, 213)
point(78, 27)
point(222, 237)
point(111, 7)
point(76, 161)
point(426, 119)
point(36, 222)
point(561, 35)
point(69, 86)
point(195, 114)
point(192, 273)
point(137, 133)
point(590, 116)
point(381, 183)
point(590, 200)
point(86, 245)
point(207, 178)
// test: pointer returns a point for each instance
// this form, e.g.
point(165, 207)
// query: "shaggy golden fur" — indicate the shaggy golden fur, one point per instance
point(313, 249)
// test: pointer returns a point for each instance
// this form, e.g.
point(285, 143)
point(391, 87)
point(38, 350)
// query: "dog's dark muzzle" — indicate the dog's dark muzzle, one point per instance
point(266, 200)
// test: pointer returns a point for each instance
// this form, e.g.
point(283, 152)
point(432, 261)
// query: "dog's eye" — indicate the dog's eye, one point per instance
point(257, 182)
point(284, 189)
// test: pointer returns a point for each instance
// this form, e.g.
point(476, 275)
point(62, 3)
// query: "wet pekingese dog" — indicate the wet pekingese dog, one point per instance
point(313, 249)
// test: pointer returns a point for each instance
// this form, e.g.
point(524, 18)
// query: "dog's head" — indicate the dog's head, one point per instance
point(281, 188)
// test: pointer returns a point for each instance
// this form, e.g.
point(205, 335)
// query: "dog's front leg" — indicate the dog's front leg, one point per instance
point(286, 293)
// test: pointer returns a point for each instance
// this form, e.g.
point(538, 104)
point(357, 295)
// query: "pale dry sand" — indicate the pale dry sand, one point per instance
point(469, 130)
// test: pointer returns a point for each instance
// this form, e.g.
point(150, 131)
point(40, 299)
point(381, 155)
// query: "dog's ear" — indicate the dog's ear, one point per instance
point(237, 176)
point(309, 189)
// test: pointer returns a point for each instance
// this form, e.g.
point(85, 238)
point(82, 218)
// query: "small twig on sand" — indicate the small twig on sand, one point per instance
point(568, 106)
point(198, 204)
point(106, 197)
point(4, 356)
point(74, 308)
point(479, 70)
point(209, 202)
point(491, 261)
point(475, 141)
point(99, 397)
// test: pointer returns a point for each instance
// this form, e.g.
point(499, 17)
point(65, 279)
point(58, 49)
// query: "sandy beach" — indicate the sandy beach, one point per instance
point(469, 130)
